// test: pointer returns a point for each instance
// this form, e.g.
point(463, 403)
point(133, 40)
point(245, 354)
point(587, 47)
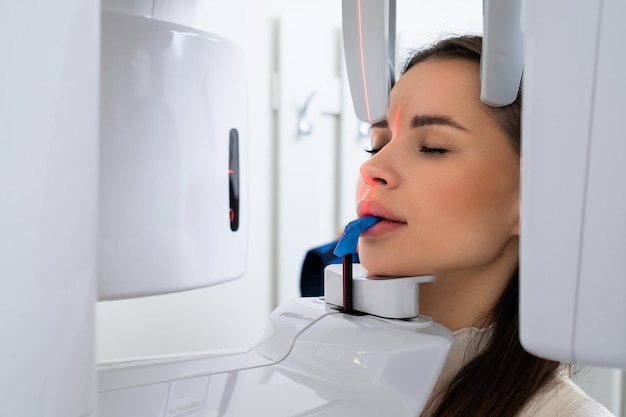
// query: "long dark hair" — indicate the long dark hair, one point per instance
point(503, 377)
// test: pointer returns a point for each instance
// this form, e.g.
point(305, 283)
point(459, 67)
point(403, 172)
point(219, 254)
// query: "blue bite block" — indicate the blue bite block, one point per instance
point(347, 243)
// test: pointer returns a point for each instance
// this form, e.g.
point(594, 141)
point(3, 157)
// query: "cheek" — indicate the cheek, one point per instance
point(481, 187)
point(467, 207)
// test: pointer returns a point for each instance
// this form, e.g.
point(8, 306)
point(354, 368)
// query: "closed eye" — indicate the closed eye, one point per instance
point(433, 151)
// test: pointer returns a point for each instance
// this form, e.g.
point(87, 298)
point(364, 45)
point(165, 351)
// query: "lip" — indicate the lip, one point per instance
point(374, 208)
point(389, 220)
point(383, 227)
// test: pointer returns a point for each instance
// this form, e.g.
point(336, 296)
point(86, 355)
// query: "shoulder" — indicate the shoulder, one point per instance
point(564, 399)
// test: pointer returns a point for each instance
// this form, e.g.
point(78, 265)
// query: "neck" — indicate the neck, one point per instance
point(465, 298)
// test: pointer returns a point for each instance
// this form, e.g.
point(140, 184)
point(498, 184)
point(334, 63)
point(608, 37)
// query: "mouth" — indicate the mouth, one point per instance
point(371, 208)
point(388, 223)
point(383, 227)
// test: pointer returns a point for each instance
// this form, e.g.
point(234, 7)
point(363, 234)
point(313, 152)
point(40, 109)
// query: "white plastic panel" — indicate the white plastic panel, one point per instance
point(48, 206)
point(573, 182)
point(557, 107)
point(182, 12)
point(396, 298)
point(147, 400)
point(133, 7)
point(600, 334)
point(315, 361)
point(365, 39)
point(171, 98)
point(502, 57)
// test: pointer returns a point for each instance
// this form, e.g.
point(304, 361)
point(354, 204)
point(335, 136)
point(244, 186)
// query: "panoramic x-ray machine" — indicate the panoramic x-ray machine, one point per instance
point(149, 113)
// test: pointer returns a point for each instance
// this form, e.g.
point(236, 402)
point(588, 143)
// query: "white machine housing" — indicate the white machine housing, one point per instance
point(573, 238)
point(391, 297)
point(48, 207)
point(369, 34)
point(314, 361)
point(502, 59)
point(173, 134)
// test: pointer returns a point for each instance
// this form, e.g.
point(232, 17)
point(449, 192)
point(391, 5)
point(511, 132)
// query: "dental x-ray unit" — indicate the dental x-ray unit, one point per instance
point(330, 361)
point(573, 181)
point(173, 183)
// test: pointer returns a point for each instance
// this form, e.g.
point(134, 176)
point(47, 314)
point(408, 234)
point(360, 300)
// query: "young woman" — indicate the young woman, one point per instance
point(444, 175)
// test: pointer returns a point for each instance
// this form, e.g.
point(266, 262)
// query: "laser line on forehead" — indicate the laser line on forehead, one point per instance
point(396, 119)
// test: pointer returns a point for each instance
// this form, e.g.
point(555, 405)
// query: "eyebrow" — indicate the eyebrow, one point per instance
point(430, 120)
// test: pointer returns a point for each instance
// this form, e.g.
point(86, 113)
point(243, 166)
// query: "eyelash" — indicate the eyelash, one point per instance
point(433, 151)
point(423, 149)
point(372, 151)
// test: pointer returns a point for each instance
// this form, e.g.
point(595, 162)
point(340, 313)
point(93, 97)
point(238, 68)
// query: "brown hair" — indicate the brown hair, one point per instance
point(503, 377)
point(469, 48)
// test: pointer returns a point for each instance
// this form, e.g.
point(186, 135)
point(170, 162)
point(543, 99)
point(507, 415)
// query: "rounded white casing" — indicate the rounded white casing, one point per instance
point(172, 100)
point(368, 28)
point(502, 59)
point(314, 361)
point(389, 297)
point(573, 238)
point(48, 206)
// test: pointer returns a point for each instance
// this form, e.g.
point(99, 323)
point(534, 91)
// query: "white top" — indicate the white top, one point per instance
point(563, 399)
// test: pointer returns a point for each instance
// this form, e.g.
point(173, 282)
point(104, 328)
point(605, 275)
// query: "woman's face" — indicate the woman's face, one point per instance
point(443, 177)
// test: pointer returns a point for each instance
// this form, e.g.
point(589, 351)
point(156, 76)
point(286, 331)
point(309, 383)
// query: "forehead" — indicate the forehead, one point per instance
point(438, 86)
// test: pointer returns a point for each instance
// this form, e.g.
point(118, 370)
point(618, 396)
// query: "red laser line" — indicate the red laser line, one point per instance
point(367, 103)
point(396, 120)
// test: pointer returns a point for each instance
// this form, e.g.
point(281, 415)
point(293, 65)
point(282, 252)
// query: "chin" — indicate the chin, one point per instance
point(390, 267)
point(383, 269)
point(373, 268)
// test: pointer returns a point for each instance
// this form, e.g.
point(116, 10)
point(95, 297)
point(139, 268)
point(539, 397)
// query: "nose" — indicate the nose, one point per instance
point(370, 176)
point(378, 170)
